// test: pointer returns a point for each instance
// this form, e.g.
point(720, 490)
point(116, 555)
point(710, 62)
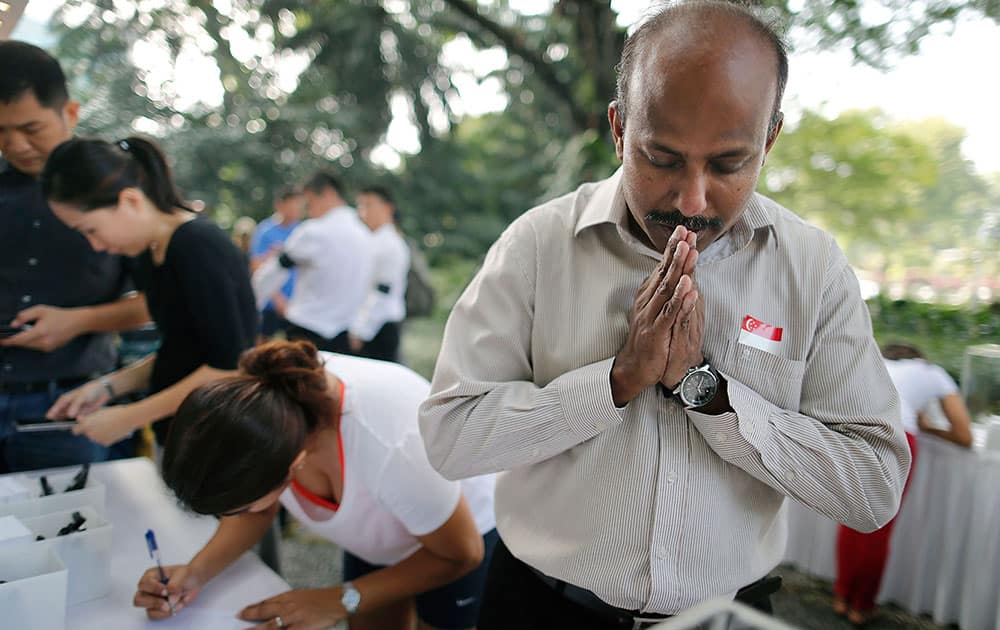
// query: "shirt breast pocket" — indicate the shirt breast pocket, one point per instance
point(777, 379)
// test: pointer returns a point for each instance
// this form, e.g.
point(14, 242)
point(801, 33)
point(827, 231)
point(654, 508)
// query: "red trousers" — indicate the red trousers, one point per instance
point(861, 557)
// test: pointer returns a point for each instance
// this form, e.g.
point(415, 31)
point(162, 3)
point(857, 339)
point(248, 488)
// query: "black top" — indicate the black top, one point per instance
point(44, 262)
point(202, 303)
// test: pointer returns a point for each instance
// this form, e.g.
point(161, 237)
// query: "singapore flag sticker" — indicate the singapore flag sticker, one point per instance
point(760, 335)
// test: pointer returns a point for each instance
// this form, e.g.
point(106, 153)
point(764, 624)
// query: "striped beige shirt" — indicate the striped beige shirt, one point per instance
point(650, 506)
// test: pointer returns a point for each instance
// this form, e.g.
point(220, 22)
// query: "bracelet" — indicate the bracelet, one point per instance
point(107, 387)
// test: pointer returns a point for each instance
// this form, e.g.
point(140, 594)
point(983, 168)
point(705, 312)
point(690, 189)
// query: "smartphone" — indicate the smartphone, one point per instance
point(30, 425)
point(10, 331)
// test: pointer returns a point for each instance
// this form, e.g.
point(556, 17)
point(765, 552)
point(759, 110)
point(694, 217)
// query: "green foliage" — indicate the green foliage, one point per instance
point(853, 174)
point(900, 198)
point(875, 31)
point(471, 176)
point(955, 204)
point(941, 332)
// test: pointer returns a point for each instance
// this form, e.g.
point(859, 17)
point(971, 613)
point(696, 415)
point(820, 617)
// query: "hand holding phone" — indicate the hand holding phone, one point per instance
point(7, 330)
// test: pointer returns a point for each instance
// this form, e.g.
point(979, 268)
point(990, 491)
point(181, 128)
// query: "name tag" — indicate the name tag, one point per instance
point(760, 335)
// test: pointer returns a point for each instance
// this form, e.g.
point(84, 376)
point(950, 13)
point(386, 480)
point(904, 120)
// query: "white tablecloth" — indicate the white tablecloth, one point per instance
point(945, 556)
point(137, 500)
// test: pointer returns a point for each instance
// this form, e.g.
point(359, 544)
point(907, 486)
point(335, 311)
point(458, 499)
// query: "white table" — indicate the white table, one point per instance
point(137, 500)
point(945, 555)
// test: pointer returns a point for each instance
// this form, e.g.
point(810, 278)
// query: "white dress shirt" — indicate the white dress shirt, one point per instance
point(386, 301)
point(334, 261)
point(650, 506)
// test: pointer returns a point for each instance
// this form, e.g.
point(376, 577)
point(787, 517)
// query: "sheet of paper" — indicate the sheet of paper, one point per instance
point(195, 618)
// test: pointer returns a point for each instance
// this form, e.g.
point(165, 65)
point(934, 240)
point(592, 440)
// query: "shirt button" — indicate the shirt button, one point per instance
point(534, 452)
point(661, 552)
point(790, 476)
point(671, 477)
point(745, 352)
point(25, 299)
point(36, 224)
point(32, 262)
point(600, 426)
point(7, 367)
point(720, 437)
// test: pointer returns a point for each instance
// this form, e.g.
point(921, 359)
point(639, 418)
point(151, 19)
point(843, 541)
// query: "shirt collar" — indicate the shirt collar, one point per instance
point(338, 211)
point(607, 205)
point(755, 217)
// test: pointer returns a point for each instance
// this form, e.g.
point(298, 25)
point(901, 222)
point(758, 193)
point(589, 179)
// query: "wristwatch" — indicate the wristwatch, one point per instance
point(698, 387)
point(351, 598)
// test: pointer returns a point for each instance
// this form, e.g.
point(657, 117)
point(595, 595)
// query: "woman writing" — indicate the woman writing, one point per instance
point(122, 197)
point(334, 439)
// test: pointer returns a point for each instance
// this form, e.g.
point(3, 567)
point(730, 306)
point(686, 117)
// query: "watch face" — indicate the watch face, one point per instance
point(351, 599)
point(698, 388)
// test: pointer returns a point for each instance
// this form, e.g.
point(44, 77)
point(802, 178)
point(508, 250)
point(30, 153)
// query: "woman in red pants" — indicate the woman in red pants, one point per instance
point(861, 558)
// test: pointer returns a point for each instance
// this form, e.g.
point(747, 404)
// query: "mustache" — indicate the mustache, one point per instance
point(674, 218)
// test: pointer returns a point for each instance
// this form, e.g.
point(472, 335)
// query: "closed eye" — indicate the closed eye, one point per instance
point(728, 167)
point(670, 163)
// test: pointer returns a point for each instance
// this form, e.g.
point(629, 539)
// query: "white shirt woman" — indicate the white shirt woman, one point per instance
point(921, 386)
point(335, 440)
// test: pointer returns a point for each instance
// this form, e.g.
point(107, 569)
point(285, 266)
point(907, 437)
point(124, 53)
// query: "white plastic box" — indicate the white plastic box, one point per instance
point(13, 532)
point(34, 596)
point(86, 554)
point(15, 489)
point(91, 495)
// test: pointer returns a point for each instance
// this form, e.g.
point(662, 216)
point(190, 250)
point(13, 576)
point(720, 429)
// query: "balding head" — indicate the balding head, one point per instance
point(690, 28)
point(700, 86)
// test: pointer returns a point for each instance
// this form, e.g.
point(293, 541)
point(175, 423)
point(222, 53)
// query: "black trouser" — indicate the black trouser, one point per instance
point(516, 598)
point(338, 344)
point(385, 345)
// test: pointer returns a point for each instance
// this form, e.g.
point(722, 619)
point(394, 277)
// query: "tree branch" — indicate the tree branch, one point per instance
point(515, 45)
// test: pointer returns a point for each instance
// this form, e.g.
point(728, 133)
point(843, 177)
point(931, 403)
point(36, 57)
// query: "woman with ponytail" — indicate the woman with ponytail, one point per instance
point(121, 197)
point(335, 440)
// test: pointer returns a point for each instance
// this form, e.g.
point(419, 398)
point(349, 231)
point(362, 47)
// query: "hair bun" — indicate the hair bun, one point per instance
point(270, 360)
point(292, 368)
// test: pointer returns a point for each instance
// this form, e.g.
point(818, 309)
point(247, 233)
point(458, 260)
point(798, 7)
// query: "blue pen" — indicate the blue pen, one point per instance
point(154, 553)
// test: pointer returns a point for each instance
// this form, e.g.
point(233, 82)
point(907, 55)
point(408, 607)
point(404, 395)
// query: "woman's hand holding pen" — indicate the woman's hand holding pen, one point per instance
point(182, 588)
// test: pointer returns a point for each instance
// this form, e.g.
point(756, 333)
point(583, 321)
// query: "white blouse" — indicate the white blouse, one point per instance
point(391, 494)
